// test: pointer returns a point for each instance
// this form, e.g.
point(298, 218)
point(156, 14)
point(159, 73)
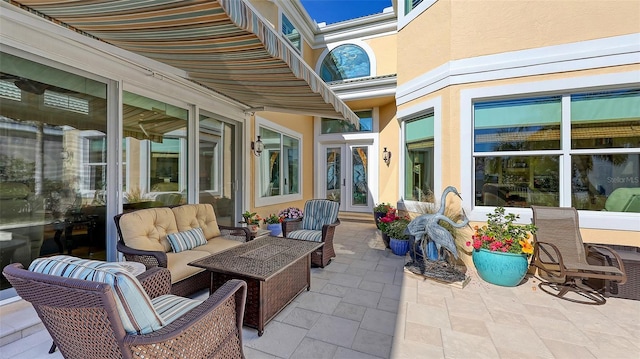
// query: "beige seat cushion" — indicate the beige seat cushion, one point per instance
point(190, 216)
point(177, 263)
point(217, 244)
point(147, 229)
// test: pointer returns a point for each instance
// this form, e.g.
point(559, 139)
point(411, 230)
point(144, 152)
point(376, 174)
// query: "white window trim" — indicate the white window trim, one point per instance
point(576, 56)
point(285, 38)
point(404, 20)
point(363, 45)
point(588, 219)
point(267, 201)
point(433, 105)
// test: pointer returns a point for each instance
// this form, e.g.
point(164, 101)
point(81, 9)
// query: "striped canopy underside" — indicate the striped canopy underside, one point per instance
point(221, 44)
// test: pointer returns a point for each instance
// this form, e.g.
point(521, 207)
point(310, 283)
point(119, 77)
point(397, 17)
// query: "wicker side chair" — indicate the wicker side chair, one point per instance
point(83, 320)
point(561, 257)
point(318, 224)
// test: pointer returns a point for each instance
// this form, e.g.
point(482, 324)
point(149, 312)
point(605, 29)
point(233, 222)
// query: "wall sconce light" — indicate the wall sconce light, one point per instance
point(257, 147)
point(386, 156)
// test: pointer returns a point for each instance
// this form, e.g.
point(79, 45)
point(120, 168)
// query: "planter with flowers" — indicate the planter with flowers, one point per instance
point(379, 211)
point(398, 236)
point(501, 249)
point(252, 220)
point(274, 224)
point(290, 214)
point(384, 222)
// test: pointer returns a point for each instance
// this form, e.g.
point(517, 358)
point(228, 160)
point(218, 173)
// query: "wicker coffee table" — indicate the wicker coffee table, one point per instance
point(276, 271)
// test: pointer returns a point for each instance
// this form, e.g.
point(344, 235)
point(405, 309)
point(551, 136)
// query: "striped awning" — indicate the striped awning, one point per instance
point(221, 44)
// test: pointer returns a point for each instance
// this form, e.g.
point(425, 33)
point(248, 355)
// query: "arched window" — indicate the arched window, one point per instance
point(345, 62)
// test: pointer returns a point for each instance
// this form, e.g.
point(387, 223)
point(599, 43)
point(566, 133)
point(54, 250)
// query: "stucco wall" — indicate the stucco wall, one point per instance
point(425, 43)
point(389, 131)
point(385, 52)
point(452, 30)
point(488, 27)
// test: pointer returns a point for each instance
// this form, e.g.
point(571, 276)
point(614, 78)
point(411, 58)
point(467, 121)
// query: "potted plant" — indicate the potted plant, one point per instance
point(384, 222)
point(252, 220)
point(398, 236)
point(291, 213)
point(274, 224)
point(379, 211)
point(501, 248)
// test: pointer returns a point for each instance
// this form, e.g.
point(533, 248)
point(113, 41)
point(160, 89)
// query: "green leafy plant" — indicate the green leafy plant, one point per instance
point(273, 219)
point(251, 217)
point(502, 235)
point(397, 228)
point(383, 207)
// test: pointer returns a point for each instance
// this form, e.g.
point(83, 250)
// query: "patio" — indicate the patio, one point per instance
point(363, 305)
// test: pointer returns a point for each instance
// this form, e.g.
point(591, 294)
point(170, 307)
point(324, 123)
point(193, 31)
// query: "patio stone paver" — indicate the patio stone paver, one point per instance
point(363, 306)
point(334, 330)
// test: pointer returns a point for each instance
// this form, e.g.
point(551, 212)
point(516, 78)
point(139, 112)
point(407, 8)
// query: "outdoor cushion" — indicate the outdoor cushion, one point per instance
point(191, 216)
point(182, 241)
point(218, 245)
point(178, 264)
point(318, 213)
point(147, 229)
point(171, 307)
point(135, 308)
point(307, 235)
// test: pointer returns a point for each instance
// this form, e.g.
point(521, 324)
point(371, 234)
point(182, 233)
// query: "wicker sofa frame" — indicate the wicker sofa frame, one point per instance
point(83, 321)
point(153, 259)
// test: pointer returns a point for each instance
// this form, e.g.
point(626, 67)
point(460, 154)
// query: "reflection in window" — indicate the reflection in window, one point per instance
point(279, 171)
point(291, 33)
point(419, 165)
point(410, 5)
point(50, 167)
point(604, 124)
point(360, 178)
point(345, 62)
point(156, 141)
point(331, 125)
point(217, 167)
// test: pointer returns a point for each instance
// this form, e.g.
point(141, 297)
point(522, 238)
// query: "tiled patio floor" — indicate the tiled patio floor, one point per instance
point(364, 306)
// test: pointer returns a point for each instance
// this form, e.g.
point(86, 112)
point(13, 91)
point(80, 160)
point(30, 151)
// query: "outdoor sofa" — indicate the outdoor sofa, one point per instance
point(170, 237)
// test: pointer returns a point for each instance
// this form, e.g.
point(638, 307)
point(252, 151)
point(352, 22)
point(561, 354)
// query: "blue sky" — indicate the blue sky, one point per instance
point(332, 11)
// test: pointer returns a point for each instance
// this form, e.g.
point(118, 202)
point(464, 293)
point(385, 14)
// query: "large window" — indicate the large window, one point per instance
point(156, 141)
point(291, 33)
point(345, 62)
point(520, 150)
point(52, 162)
point(419, 158)
point(279, 164)
point(330, 125)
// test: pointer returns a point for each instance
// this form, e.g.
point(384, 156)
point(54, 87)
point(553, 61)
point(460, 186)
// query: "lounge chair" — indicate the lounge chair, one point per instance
point(560, 257)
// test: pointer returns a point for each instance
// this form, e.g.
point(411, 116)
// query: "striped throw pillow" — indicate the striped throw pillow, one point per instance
point(135, 308)
point(182, 241)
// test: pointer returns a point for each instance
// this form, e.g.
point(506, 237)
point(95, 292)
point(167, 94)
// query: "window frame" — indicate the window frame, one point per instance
point(261, 201)
point(432, 106)
point(286, 36)
point(405, 17)
point(363, 45)
point(565, 87)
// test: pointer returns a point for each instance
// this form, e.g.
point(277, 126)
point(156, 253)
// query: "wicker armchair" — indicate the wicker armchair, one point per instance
point(318, 224)
point(561, 257)
point(84, 322)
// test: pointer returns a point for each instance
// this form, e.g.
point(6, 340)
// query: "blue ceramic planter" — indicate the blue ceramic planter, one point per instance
point(275, 228)
point(499, 268)
point(399, 247)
